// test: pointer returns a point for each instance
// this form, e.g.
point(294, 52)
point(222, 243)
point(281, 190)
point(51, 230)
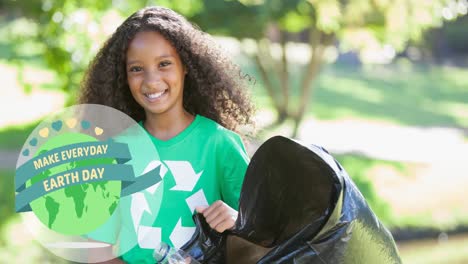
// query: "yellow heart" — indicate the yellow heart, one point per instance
point(98, 131)
point(44, 132)
point(71, 123)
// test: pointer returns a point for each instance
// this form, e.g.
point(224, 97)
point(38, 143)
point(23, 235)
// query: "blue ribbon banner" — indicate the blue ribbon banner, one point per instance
point(80, 175)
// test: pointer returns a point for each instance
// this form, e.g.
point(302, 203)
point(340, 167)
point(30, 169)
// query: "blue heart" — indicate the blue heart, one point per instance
point(26, 152)
point(33, 142)
point(57, 125)
point(85, 124)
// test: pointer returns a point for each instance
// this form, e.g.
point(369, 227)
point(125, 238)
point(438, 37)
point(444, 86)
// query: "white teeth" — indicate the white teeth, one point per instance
point(155, 95)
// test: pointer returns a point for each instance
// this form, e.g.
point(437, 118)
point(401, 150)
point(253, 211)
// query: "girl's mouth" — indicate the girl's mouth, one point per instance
point(155, 96)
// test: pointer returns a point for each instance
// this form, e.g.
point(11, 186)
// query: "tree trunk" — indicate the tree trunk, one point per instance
point(317, 43)
point(267, 81)
point(284, 80)
point(280, 96)
point(263, 57)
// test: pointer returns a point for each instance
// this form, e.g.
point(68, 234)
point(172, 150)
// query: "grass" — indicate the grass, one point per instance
point(13, 137)
point(7, 197)
point(357, 168)
point(449, 250)
point(420, 221)
point(402, 93)
point(362, 170)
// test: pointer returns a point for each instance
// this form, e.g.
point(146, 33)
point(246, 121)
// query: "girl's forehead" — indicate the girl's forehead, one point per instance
point(144, 37)
point(146, 41)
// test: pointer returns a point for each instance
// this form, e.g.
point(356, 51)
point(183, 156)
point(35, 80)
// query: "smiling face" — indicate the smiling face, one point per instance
point(155, 74)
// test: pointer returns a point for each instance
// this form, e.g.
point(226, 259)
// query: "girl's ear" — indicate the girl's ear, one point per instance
point(185, 70)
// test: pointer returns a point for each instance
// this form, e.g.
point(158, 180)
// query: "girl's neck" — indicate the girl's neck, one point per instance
point(167, 126)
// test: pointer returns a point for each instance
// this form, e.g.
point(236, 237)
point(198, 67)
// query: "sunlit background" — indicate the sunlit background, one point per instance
point(382, 84)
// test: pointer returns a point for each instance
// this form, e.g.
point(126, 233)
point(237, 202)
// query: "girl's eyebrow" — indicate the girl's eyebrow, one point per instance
point(157, 58)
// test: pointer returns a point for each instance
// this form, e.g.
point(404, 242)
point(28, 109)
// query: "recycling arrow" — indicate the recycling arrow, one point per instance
point(196, 199)
point(181, 234)
point(184, 175)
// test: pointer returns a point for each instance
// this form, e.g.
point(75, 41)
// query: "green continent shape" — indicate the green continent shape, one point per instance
point(100, 184)
point(113, 205)
point(78, 194)
point(53, 209)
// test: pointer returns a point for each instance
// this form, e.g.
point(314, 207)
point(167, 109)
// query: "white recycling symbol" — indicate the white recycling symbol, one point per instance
point(186, 179)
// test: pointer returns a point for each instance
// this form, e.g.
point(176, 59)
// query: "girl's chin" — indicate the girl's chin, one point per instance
point(155, 112)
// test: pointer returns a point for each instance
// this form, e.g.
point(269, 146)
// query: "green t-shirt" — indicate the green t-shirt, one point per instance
point(204, 163)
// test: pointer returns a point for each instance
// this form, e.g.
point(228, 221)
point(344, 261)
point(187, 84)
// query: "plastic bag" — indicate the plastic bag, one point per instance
point(300, 202)
point(206, 245)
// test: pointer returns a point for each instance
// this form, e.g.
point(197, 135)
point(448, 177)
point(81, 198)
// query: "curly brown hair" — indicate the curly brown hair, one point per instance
point(214, 86)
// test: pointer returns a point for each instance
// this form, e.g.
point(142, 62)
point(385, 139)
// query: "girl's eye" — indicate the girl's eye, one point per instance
point(164, 63)
point(135, 69)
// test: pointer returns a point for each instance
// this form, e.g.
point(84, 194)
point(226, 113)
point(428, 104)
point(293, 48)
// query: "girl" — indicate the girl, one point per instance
point(191, 99)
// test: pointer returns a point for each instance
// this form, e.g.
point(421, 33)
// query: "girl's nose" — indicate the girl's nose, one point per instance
point(153, 80)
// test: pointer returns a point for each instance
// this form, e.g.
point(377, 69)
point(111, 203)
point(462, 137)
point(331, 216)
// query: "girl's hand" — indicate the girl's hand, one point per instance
point(219, 216)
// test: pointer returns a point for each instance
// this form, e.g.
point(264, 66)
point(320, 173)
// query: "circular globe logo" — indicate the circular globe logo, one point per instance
point(75, 209)
point(86, 176)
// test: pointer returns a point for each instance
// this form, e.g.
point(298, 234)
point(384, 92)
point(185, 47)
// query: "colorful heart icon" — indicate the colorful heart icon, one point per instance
point(98, 131)
point(71, 123)
point(44, 132)
point(26, 152)
point(85, 124)
point(57, 125)
point(33, 142)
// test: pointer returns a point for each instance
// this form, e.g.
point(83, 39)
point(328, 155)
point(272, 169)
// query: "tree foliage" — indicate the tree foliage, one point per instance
point(72, 31)
point(359, 25)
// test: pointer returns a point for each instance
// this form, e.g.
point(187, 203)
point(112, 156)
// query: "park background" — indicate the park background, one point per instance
point(382, 84)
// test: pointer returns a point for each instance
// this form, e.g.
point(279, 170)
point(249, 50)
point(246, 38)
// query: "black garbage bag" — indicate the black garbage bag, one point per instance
point(299, 201)
point(206, 245)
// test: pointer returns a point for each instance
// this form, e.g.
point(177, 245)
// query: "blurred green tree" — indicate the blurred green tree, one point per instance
point(69, 33)
point(72, 31)
point(356, 24)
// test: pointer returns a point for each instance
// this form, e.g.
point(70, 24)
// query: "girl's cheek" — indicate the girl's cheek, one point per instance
point(175, 77)
point(133, 80)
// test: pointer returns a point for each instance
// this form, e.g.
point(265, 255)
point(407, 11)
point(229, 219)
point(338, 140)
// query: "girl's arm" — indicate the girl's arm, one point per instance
point(233, 161)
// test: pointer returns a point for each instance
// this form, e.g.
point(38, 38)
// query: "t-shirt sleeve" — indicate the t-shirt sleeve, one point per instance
point(232, 161)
